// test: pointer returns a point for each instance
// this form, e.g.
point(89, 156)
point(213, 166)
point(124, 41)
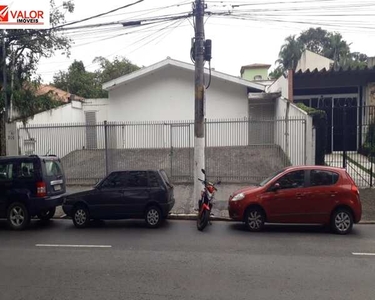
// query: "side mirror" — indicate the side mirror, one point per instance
point(203, 171)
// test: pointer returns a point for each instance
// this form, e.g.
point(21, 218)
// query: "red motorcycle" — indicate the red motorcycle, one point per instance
point(206, 202)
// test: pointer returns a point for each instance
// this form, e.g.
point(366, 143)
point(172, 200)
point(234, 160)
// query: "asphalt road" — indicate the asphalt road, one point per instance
point(130, 261)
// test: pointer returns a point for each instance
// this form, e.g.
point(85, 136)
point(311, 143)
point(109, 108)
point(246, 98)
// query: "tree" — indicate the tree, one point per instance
point(110, 70)
point(24, 49)
point(329, 44)
point(77, 80)
point(315, 40)
point(290, 53)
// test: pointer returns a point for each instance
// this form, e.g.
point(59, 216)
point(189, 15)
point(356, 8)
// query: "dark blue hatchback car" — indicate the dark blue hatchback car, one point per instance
point(124, 195)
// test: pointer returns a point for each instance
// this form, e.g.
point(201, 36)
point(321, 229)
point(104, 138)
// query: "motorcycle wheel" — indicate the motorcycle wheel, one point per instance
point(202, 220)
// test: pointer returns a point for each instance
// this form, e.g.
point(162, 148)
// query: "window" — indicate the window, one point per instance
point(126, 179)
point(115, 180)
point(267, 180)
point(6, 171)
point(292, 180)
point(53, 168)
point(153, 179)
point(137, 179)
point(319, 178)
point(26, 170)
point(165, 177)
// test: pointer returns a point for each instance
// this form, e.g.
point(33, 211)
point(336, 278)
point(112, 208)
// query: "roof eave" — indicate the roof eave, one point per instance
point(110, 85)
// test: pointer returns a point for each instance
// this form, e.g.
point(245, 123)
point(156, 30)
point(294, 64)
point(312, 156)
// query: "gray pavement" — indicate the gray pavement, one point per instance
point(178, 262)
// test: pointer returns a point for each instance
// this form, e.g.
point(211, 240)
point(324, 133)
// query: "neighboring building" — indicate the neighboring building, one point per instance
point(57, 94)
point(255, 72)
point(312, 61)
point(317, 84)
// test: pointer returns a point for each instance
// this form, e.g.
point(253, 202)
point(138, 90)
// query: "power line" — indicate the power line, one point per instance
point(99, 15)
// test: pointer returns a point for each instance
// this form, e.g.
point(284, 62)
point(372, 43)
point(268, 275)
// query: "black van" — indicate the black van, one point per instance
point(30, 186)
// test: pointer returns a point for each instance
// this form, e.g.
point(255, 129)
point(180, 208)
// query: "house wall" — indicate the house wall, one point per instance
point(44, 136)
point(311, 61)
point(249, 74)
point(294, 133)
point(68, 113)
point(100, 106)
point(169, 95)
point(280, 86)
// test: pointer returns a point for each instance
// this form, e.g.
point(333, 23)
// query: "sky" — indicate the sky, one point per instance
point(255, 36)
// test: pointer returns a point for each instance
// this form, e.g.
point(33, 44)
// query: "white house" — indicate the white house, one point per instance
point(165, 91)
point(153, 108)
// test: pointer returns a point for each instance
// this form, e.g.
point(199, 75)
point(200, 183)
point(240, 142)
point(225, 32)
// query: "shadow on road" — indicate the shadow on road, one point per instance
point(35, 225)
point(287, 228)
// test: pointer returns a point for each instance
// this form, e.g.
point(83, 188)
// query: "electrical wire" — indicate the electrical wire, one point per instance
point(99, 15)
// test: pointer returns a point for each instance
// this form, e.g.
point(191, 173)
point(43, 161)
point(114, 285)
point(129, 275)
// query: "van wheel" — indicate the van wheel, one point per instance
point(18, 216)
point(81, 217)
point(47, 215)
point(342, 221)
point(254, 219)
point(153, 217)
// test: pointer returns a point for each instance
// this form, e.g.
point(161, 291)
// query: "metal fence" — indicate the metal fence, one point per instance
point(351, 141)
point(237, 150)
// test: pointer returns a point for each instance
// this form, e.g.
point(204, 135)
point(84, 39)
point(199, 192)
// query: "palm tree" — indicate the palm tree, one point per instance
point(338, 50)
point(290, 53)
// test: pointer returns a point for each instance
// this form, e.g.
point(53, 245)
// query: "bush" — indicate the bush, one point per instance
point(368, 147)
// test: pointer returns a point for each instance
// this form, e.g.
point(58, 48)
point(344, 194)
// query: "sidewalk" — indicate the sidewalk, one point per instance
point(184, 205)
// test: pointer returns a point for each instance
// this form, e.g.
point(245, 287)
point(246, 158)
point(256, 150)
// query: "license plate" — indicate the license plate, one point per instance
point(57, 187)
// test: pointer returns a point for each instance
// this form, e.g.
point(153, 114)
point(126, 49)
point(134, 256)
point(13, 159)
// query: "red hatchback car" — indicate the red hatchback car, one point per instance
point(305, 194)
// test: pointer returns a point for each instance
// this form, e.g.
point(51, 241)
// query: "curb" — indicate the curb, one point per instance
point(367, 222)
point(193, 217)
point(170, 217)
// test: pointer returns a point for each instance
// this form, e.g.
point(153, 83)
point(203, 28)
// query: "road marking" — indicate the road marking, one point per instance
point(364, 254)
point(73, 246)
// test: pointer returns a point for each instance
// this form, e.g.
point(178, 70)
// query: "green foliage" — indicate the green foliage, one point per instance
point(368, 147)
point(113, 69)
point(77, 80)
point(28, 104)
point(320, 41)
point(316, 113)
point(276, 73)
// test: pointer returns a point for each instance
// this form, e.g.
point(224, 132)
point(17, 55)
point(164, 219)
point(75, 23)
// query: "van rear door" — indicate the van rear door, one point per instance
point(54, 176)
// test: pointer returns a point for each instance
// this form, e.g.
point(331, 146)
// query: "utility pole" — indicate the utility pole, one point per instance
point(199, 140)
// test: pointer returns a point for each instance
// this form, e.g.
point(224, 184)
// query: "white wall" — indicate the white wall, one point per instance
point(68, 113)
point(46, 135)
point(279, 86)
point(311, 61)
point(100, 106)
point(169, 95)
point(294, 133)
